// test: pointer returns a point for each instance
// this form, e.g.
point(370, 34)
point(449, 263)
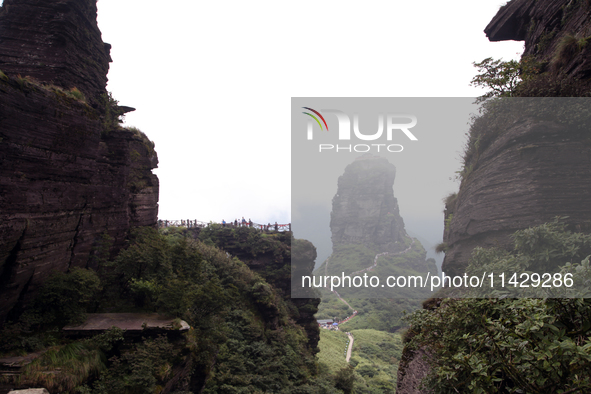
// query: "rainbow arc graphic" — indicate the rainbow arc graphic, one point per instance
point(315, 118)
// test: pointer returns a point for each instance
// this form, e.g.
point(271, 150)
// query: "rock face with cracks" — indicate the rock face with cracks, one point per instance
point(534, 170)
point(72, 181)
point(364, 210)
point(528, 176)
point(547, 27)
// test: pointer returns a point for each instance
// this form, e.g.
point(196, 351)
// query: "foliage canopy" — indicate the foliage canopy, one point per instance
point(533, 345)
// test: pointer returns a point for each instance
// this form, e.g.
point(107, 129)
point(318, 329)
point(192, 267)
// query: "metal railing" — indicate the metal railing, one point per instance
point(199, 224)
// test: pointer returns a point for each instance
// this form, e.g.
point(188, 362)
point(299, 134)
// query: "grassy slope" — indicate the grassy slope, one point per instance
point(380, 314)
point(375, 357)
point(332, 348)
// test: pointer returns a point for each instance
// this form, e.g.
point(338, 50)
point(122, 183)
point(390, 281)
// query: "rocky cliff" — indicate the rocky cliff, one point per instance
point(533, 172)
point(533, 169)
point(369, 238)
point(364, 210)
point(72, 181)
point(55, 41)
point(555, 33)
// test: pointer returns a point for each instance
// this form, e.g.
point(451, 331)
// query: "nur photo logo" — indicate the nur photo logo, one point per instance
point(389, 126)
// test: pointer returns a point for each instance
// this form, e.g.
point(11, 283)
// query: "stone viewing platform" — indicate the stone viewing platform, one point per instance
point(130, 322)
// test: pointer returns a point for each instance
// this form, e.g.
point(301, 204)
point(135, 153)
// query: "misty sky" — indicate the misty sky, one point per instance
point(425, 167)
point(212, 82)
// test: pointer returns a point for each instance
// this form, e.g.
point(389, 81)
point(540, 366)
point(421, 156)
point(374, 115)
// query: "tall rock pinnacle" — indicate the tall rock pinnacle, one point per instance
point(364, 209)
point(73, 182)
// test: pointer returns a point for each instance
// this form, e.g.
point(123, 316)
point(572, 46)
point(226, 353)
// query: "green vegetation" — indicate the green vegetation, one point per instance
point(349, 258)
point(373, 313)
point(29, 83)
point(249, 241)
point(76, 94)
point(332, 346)
point(23, 82)
point(332, 308)
point(450, 201)
point(441, 247)
point(63, 368)
point(374, 361)
point(501, 78)
point(566, 49)
point(447, 221)
point(150, 145)
point(548, 248)
point(243, 338)
point(533, 345)
point(383, 314)
point(494, 345)
point(375, 357)
point(111, 116)
point(62, 300)
point(355, 257)
point(571, 8)
point(143, 369)
point(545, 40)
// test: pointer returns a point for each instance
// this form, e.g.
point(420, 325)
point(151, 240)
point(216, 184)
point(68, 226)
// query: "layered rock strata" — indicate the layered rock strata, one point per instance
point(536, 169)
point(72, 181)
point(555, 33)
point(533, 173)
point(54, 41)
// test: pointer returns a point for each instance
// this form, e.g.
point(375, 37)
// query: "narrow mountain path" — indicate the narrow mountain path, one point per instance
point(375, 260)
point(351, 340)
point(375, 263)
point(339, 296)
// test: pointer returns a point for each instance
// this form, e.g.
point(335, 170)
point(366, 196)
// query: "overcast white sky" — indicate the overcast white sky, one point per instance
point(212, 82)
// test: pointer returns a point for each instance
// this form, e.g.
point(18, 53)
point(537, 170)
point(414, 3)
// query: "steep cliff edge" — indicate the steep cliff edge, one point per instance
point(555, 33)
point(533, 169)
point(70, 177)
point(533, 172)
point(57, 41)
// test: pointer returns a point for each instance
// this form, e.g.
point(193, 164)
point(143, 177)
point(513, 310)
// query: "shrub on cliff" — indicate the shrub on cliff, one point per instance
point(142, 369)
point(532, 345)
point(501, 78)
point(63, 299)
point(243, 335)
